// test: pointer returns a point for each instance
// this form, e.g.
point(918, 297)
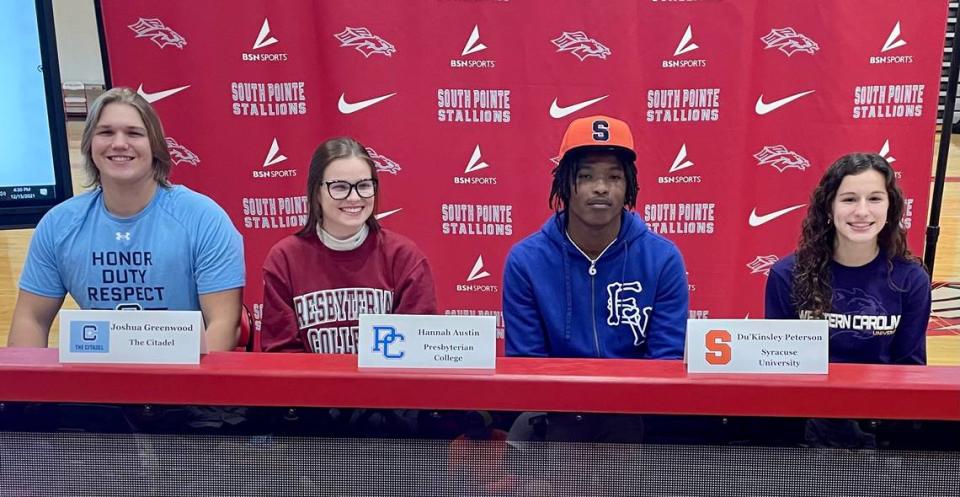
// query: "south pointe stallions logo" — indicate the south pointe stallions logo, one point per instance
point(789, 41)
point(778, 157)
point(365, 42)
point(384, 164)
point(157, 32)
point(180, 154)
point(581, 45)
point(762, 264)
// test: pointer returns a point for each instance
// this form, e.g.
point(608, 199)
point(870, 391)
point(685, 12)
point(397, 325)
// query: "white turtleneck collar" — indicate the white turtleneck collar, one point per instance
point(349, 243)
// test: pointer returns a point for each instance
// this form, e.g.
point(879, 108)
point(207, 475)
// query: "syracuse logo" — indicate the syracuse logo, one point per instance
point(179, 153)
point(581, 45)
point(789, 41)
point(383, 163)
point(365, 42)
point(157, 32)
point(780, 158)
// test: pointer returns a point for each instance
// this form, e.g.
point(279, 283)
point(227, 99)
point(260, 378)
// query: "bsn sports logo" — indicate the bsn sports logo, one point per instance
point(383, 163)
point(762, 264)
point(789, 41)
point(680, 162)
point(686, 45)
point(580, 45)
point(273, 158)
point(365, 42)
point(681, 218)
point(478, 273)
point(476, 163)
point(264, 39)
point(894, 41)
point(180, 154)
point(780, 158)
point(473, 46)
point(158, 33)
point(623, 309)
point(885, 153)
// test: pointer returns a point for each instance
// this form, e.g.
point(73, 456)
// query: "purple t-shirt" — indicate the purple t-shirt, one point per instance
point(878, 315)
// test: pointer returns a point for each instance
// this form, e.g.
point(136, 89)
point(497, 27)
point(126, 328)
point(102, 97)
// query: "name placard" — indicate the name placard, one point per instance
point(757, 346)
point(131, 337)
point(409, 341)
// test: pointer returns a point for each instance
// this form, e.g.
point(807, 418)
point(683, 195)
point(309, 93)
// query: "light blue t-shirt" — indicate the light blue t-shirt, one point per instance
point(180, 246)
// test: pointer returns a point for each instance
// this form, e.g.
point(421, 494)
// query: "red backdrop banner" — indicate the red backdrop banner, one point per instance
point(737, 108)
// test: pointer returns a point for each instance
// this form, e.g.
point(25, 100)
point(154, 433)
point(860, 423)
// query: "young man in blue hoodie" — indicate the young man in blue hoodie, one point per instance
point(595, 281)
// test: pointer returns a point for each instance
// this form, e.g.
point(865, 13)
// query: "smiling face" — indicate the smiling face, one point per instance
point(344, 218)
point(120, 147)
point(598, 192)
point(859, 211)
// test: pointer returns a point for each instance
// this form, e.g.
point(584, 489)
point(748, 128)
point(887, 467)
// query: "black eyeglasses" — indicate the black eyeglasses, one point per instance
point(340, 190)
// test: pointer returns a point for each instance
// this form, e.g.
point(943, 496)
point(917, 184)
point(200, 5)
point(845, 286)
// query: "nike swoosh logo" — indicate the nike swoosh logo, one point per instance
point(388, 213)
point(348, 108)
point(558, 112)
point(160, 95)
point(756, 220)
point(764, 108)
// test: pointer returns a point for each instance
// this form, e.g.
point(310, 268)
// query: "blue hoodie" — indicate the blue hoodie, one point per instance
point(636, 305)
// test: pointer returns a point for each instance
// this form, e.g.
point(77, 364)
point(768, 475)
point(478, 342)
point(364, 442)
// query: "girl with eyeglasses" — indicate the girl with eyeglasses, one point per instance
point(342, 264)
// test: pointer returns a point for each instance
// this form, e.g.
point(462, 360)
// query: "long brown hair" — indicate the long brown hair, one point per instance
point(329, 151)
point(812, 290)
point(158, 146)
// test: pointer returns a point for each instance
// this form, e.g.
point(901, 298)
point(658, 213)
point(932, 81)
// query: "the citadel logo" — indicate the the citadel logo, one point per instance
point(383, 163)
point(268, 99)
point(476, 163)
point(477, 273)
point(580, 45)
point(683, 105)
point(365, 42)
point(680, 163)
point(273, 158)
point(461, 105)
point(888, 101)
point(789, 41)
point(473, 46)
point(686, 45)
point(264, 39)
point(180, 154)
point(476, 219)
point(681, 218)
point(894, 41)
point(158, 33)
point(780, 158)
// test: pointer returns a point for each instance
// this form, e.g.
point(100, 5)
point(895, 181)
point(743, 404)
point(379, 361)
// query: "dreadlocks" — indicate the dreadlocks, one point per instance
point(565, 178)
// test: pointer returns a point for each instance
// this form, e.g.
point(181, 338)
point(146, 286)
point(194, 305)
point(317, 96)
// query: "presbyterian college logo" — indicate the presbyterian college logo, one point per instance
point(365, 42)
point(780, 158)
point(762, 264)
point(179, 153)
point(157, 32)
point(580, 45)
point(383, 163)
point(789, 41)
point(622, 308)
point(383, 338)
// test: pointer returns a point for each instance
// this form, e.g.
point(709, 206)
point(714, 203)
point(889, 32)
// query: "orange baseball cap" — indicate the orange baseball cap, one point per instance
point(600, 132)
